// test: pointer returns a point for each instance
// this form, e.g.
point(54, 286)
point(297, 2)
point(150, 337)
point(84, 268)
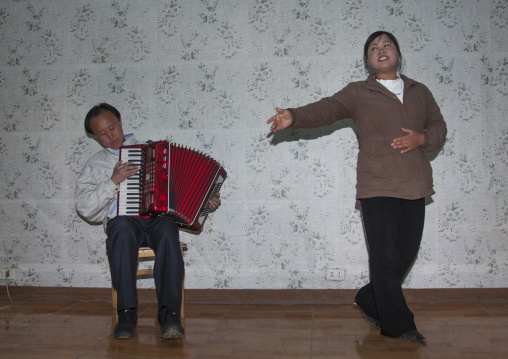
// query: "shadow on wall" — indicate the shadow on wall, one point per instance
point(311, 134)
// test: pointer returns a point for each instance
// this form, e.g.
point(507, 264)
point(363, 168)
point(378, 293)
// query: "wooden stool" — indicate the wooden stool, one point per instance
point(147, 254)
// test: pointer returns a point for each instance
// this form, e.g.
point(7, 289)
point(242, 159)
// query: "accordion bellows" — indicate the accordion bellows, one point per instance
point(173, 180)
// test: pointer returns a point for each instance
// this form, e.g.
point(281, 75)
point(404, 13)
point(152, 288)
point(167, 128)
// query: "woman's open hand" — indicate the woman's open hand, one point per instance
point(409, 142)
point(281, 120)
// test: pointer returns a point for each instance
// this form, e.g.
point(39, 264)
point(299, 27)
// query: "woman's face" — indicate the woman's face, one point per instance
point(383, 57)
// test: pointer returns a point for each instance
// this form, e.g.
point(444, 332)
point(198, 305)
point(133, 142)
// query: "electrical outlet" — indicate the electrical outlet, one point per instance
point(5, 274)
point(335, 274)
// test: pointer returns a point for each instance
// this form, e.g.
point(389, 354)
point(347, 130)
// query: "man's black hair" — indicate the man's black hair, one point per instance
point(96, 111)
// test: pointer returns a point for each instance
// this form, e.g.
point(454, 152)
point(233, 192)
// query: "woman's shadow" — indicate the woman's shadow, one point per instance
point(311, 133)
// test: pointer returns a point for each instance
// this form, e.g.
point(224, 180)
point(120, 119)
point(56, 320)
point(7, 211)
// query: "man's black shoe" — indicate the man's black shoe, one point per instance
point(171, 328)
point(126, 326)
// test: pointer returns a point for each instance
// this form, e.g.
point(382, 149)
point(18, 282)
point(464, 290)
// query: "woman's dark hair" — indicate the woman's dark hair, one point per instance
point(96, 111)
point(374, 36)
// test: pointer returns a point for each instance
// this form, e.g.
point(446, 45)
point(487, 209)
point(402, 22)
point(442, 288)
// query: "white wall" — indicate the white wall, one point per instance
point(208, 74)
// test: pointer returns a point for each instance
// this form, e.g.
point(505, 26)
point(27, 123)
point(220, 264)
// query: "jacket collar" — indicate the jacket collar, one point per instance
point(376, 86)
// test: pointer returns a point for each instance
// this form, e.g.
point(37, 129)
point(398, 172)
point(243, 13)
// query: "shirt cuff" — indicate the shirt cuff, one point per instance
point(112, 186)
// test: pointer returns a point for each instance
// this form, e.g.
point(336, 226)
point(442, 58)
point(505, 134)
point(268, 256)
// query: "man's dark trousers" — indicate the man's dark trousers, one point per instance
point(125, 235)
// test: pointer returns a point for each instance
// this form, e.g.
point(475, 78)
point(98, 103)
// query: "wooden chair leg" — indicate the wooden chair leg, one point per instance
point(113, 297)
point(182, 306)
point(114, 303)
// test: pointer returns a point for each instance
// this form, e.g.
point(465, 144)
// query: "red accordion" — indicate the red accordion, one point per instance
point(172, 180)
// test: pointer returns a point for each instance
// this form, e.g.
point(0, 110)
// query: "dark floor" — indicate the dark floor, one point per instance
point(60, 330)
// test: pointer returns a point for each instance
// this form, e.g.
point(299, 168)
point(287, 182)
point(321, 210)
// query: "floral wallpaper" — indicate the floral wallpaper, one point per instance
point(208, 74)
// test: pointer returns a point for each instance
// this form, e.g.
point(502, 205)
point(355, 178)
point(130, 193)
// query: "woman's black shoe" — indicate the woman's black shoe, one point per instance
point(413, 336)
point(372, 321)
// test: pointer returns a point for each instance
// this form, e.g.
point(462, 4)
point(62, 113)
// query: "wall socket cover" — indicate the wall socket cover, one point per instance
point(6, 273)
point(335, 274)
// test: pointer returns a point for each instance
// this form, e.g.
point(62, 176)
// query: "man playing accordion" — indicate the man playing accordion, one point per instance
point(96, 201)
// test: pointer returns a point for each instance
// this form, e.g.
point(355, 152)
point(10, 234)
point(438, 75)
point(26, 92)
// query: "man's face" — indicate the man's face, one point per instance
point(107, 129)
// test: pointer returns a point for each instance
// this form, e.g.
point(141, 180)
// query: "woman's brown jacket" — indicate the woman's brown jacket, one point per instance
point(379, 115)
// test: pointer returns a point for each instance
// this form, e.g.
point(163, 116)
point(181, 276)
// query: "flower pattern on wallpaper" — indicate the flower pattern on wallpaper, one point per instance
point(207, 74)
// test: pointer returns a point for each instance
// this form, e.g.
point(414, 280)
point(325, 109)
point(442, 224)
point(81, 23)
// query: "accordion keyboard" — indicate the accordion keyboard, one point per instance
point(129, 192)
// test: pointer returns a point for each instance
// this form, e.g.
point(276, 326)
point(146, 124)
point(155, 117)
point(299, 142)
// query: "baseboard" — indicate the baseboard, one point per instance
point(259, 297)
